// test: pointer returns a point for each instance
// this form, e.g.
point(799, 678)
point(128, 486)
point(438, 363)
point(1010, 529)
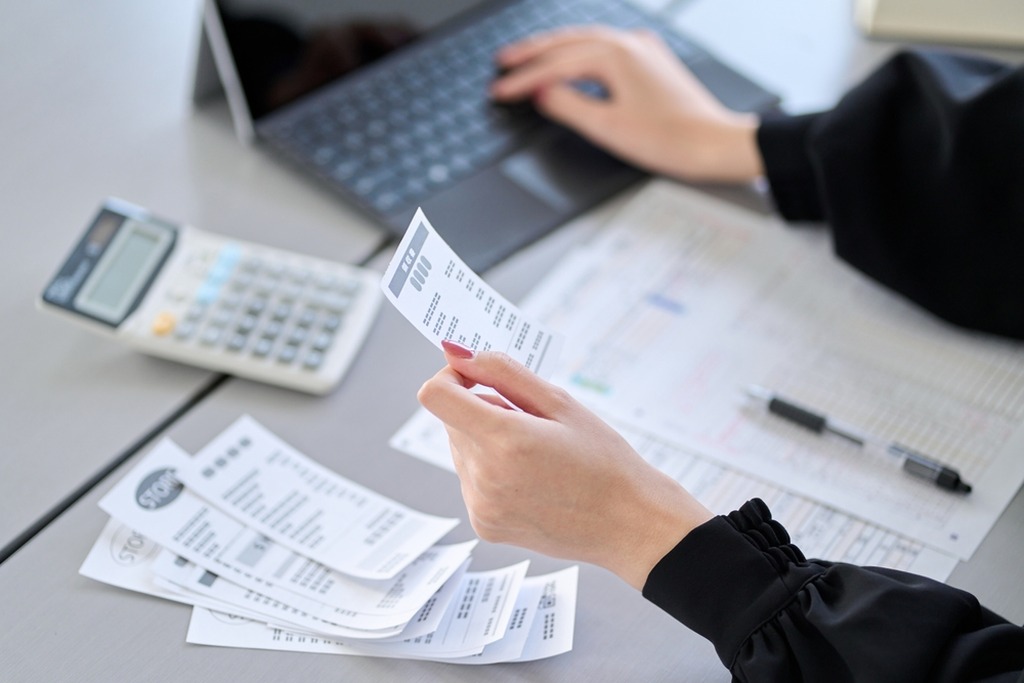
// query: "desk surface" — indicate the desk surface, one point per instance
point(347, 431)
point(96, 103)
point(103, 110)
point(619, 636)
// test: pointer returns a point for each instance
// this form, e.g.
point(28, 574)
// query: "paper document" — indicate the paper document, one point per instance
point(682, 301)
point(818, 530)
point(152, 502)
point(266, 484)
point(540, 625)
point(444, 299)
point(166, 541)
point(201, 587)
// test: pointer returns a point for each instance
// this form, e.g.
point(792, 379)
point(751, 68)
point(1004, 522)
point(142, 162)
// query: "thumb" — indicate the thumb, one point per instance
point(508, 377)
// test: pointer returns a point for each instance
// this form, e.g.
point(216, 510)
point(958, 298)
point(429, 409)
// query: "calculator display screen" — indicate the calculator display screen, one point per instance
point(126, 267)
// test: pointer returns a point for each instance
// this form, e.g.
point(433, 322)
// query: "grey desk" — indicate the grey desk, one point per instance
point(95, 103)
point(59, 626)
point(619, 636)
point(106, 633)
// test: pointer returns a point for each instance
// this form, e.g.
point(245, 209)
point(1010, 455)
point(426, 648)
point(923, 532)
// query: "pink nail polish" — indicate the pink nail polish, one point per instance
point(458, 350)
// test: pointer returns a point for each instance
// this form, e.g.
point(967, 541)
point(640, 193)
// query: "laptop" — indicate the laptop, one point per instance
point(386, 102)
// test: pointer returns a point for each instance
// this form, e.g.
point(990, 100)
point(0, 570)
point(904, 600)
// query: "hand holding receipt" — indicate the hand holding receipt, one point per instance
point(444, 299)
point(913, 462)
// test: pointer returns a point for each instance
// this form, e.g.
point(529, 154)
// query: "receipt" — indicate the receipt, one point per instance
point(444, 299)
point(201, 588)
point(541, 625)
point(261, 481)
point(151, 501)
point(478, 617)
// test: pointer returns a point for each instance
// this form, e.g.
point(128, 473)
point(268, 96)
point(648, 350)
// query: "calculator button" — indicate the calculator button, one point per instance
point(298, 336)
point(288, 353)
point(263, 347)
point(307, 318)
point(195, 312)
point(237, 342)
point(313, 360)
point(163, 324)
point(220, 317)
point(322, 341)
point(282, 311)
point(335, 303)
point(247, 324)
point(332, 322)
point(211, 335)
point(208, 292)
point(256, 306)
point(290, 292)
point(273, 271)
point(220, 273)
point(272, 330)
point(184, 331)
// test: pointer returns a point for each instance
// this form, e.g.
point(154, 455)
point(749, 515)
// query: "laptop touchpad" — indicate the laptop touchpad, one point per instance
point(564, 171)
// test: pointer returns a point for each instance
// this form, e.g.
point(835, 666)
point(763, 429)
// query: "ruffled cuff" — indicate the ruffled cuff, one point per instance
point(730, 575)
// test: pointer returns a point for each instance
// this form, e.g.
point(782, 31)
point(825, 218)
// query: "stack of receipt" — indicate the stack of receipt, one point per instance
point(276, 552)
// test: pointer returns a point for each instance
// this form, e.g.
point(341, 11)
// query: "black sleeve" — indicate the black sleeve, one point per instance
point(772, 615)
point(920, 173)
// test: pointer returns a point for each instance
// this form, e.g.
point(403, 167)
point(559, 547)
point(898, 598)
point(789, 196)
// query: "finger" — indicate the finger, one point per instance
point(517, 53)
point(513, 381)
point(584, 61)
point(446, 395)
point(495, 400)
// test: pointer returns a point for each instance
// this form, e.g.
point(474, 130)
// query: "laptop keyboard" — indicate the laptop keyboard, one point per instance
point(417, 122)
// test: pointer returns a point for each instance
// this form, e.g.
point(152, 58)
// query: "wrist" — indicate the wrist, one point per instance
point(721, 148)
point(661, 515)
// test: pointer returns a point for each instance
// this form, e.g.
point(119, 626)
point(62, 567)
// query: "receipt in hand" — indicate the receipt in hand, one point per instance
point(444, 299)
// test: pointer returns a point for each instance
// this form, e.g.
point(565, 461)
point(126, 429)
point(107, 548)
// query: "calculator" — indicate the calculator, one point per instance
point(223, 304)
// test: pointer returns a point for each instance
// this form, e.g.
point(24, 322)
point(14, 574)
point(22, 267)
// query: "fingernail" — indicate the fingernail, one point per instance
point(458, 350)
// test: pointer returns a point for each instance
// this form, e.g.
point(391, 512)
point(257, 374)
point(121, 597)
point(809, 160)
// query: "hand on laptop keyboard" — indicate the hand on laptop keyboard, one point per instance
point(656, 114)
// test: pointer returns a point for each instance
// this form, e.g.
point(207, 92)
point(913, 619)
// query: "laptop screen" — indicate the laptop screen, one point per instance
point(283, 49)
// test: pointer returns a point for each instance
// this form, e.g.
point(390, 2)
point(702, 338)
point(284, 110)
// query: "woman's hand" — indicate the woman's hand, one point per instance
point(657, 114)
point(551, 476)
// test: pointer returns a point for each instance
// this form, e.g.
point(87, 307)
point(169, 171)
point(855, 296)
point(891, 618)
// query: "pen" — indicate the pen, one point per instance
point(913, 462)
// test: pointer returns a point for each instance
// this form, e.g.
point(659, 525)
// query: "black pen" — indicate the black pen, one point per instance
point(913, 462)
